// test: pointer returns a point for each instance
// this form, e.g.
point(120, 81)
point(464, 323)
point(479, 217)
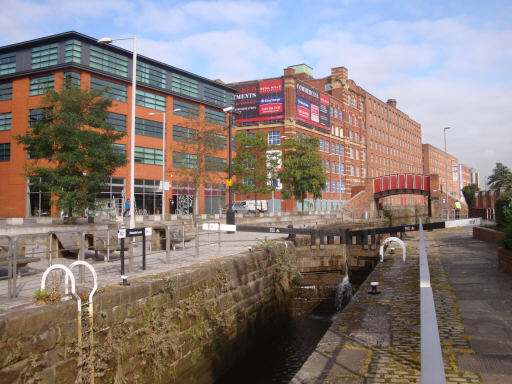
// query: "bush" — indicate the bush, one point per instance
point(504, 210)
point(506, 239)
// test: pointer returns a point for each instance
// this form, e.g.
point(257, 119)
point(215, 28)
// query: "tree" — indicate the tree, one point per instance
point(469, 193)
point(501, 177)
point(254, 165)
point(72, 147)
point(197, 164)
point(302, 171)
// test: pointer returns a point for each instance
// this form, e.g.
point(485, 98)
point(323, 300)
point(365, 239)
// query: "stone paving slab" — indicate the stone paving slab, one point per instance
point(472, 299)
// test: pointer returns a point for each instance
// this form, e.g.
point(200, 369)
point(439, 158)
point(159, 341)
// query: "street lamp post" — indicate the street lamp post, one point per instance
point(108, 40)
point(164, 114)
point(446, 169)
point(230, 214)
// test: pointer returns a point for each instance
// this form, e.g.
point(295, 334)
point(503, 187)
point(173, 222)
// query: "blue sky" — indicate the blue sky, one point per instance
point(448, 63)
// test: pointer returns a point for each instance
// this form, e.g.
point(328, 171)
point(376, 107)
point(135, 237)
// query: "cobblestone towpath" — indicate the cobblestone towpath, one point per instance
point(376, 339)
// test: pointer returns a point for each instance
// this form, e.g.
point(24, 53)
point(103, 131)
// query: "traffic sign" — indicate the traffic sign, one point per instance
point(229, 182)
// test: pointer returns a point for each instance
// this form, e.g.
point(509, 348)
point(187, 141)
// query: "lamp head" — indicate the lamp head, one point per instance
point(228, 109)
point(105, 40)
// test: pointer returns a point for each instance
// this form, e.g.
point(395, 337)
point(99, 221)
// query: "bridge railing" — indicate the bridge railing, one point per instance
point(432, 367)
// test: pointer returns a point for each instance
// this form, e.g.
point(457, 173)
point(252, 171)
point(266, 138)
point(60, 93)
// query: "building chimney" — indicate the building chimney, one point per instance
point(392, 103)
point(339, 73)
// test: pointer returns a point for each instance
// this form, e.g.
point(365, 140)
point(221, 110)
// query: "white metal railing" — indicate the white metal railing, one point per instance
point(432, 367)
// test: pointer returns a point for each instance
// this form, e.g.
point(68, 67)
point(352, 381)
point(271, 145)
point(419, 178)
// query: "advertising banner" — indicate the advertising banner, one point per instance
point(312, 107)
point(259, 101)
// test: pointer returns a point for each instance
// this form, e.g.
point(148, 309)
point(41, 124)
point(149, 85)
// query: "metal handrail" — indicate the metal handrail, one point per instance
point(432, 366)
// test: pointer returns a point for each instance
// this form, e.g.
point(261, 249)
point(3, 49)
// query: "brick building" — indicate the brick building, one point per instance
point(434, 162)
point(375, 138)
point(297, 105)
point(188, 100)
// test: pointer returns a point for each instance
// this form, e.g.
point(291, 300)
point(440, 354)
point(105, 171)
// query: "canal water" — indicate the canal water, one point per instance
point(281, 354)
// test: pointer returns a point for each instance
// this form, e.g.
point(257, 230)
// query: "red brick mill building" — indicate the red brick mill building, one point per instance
point(360, 136)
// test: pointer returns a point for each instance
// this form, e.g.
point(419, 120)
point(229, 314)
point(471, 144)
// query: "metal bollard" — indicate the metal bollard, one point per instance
point(197, 240)
point(167, 245)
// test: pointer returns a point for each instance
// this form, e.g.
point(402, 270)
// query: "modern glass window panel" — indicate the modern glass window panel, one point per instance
point(108, 61)
point(150, 100)
point(45, 55)
point(115, 91)
point(182, 108)
point(148, 128)
point(116, 121)
point(185, 85)
point(5, 121)
point(7, 63)
point(6, 91)
point(73, 51)
point(39, 85)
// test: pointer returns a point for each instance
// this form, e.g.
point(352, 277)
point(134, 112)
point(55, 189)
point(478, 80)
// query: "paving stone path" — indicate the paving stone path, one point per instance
point(376, 339)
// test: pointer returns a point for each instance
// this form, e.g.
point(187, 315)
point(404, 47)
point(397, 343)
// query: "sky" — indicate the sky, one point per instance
point(447, 63)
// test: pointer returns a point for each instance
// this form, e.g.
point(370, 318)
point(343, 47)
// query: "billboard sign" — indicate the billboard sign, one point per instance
point(312, 107)
point(259, 101)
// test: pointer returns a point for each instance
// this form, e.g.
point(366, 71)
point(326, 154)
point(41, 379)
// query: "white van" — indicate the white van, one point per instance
point(248, 205)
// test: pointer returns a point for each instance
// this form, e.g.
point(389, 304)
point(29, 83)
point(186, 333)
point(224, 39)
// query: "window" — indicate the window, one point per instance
point(334, 166)
point(38, 85)
point(183, 134)
point(326, 146)
point(219, 141)
point(274, 138)
point(148, 196)
point(185, 109)
point(321, 145)
point(6, 91)
point(119, 148)
point(74, 77)
point(45, 55)
point(148, 128)
point(73, 51)
point(185, 85)
point(147, 73)
point(35, 115)
point(215, 164)
point(338, 186)
point(334, 185)
point(7, 63)
point(327, 166)
point(5, 151)
point(105, 60)
point(357, 172)
point(116, 121)
point(5, 121)
point(215, 117)
point(149, 156)
point(115, 91)
point(342, 169)
point(357, 154)
point(351, 170)
point(150, 100)
point(184, 160)
point(342, 186)
point(342, 150)
point(327, 185)
point(215, 95)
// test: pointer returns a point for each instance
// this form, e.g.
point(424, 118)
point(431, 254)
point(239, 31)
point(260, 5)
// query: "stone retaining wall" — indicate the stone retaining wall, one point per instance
point(187, 326)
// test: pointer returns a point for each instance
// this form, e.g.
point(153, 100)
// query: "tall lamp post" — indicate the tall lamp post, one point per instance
point(108, 40)
point(446, 169)
point(230, 214)
point(164, 114)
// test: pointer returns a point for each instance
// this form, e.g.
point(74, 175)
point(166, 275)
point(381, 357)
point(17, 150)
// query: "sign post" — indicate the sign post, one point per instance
point(133, 232)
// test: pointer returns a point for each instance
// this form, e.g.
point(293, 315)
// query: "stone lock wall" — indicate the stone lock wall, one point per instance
point(188, 326)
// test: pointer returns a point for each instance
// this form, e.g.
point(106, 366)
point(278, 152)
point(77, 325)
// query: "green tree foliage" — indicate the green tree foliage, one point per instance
point(253, 165)
point(469, 193)
point(195, 163)
point(501, 177)
point(302, 171)
point(503, 208)
point(72, 147)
